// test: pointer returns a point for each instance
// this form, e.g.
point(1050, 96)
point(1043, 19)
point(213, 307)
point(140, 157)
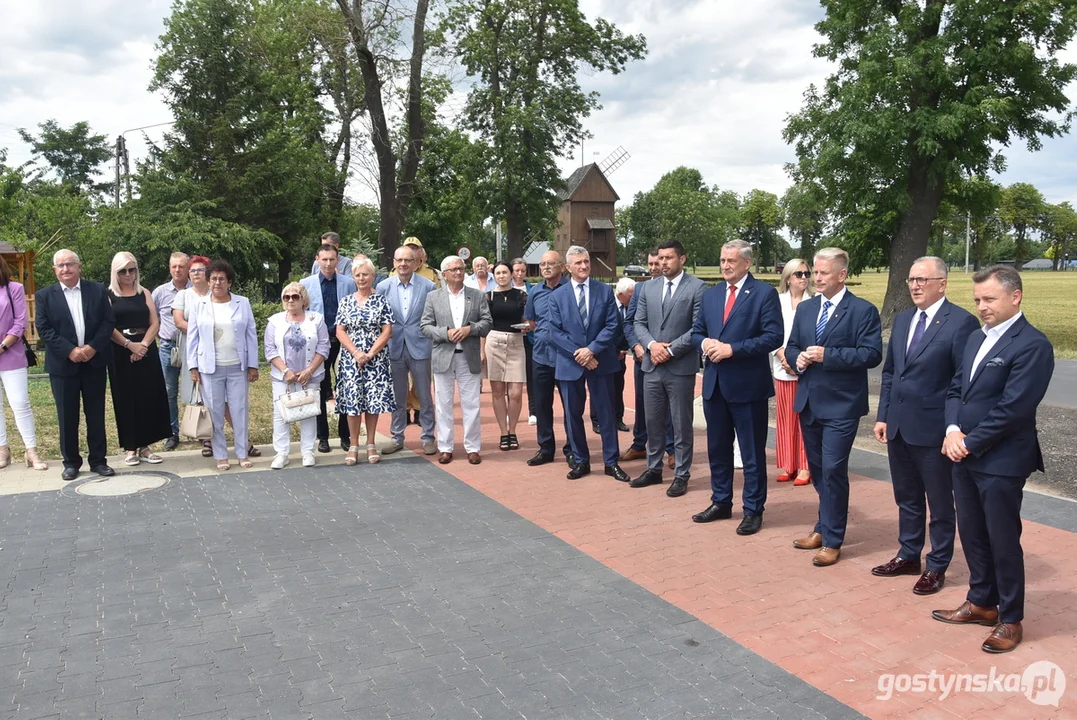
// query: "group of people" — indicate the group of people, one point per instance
point(957, 406)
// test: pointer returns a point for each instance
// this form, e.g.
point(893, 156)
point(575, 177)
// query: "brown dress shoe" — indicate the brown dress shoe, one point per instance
point(813, 541)
point(445, 458)
point(671, 461)
point(929, 583)
point(897, 566)
point(1005, 637)
point(968, 614)
point(633, 454)
point(826, 556)
point(474, 458)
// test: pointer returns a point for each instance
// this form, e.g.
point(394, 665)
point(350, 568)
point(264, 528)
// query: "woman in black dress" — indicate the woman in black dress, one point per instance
point(503, 354)
point(139, 398)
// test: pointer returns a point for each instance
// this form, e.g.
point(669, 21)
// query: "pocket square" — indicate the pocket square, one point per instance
point(995, 362)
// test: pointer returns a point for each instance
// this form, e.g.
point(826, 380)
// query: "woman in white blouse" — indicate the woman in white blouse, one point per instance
point(793, 288)
point(296, 346)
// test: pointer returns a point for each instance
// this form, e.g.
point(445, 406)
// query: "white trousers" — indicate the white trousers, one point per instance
point(282, 436)
point(227, 385)
point(470, 386)
point(18, 397)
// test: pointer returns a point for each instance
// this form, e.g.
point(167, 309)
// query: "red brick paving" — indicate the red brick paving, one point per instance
point(837, 628)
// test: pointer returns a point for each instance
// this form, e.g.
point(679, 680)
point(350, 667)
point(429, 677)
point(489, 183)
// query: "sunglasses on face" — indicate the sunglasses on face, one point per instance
point(802, 274)
point(291, 298)
point(127, 271)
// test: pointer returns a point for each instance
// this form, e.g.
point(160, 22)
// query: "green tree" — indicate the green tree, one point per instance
point(924, 90)
point(527, 103)
point(760, 219)
point(74, 154)
point(1059, 229)
point(1021, 209)
point(804, 208)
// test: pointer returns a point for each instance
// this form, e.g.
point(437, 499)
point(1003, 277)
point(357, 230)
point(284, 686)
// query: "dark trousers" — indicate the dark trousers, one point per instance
point(618, 396)
point(326, 389)
point(989, 521)
point(639, 428)
point(87, 386)
point(920, 472)
point(545, 386)
point(573, 398)
point(529, 370)
point(749, 421)
point(827, 443)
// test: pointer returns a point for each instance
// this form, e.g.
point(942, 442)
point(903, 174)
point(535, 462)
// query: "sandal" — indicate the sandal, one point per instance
point(131, 459)
point(152, 458)
point(353, 455)
point(223, 465)
point(504, 444)
point(514, 443)
point(246, 463)
point(372, 455)
point(207, 448)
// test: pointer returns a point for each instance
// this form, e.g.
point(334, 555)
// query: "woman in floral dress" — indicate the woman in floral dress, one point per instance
point(364, 377)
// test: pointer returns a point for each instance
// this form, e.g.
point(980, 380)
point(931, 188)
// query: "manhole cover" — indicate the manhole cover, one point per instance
point(124, 484)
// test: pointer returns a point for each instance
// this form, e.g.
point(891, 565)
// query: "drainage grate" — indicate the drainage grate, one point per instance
point(123, 484)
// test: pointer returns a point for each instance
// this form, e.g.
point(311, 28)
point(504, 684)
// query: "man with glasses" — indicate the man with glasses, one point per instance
point(163, 297)
point(74, 318)
point(924, 353)
point(327, 287)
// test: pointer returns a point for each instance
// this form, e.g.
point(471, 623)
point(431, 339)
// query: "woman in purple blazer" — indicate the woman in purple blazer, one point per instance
point(13, 372)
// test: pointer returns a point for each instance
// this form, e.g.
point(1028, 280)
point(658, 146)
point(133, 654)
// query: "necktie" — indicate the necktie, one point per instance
point(583, 306)
point(821, 325)
point(917, 333)
point(624, 314)
point(669, 294)
point(729, 302)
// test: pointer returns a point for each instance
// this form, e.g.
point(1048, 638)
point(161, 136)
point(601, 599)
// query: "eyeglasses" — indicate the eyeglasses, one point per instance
point(921, 280)
point(65, 265)
point(197, 271)
point(292, 298)
point(802, 274)
point(219, 279)
point(454, 270)
point(127, 271)
point(548, 264)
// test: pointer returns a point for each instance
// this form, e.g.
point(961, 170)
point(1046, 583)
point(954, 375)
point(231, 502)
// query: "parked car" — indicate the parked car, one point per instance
point(778, 268)
point(636, 271)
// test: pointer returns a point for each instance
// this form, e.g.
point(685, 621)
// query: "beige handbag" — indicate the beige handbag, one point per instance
point(196, 423)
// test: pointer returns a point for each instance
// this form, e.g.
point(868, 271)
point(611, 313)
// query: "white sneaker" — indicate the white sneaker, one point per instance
point(532, 420)
point(308, 459)
point(279, 461)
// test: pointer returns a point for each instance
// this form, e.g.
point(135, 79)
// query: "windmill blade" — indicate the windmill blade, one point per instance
point(614, 160)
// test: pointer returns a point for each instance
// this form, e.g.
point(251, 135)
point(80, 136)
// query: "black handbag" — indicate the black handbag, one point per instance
point(31, 356)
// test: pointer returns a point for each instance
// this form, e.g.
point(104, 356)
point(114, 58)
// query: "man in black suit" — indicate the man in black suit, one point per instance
point(926, 345)
point(991, 439)
point(74, 318)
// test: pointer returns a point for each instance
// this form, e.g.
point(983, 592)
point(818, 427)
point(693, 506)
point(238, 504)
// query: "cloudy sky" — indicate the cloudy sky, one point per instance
point(718, 82)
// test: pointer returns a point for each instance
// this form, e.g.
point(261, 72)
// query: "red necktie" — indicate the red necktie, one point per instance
point(729, 302)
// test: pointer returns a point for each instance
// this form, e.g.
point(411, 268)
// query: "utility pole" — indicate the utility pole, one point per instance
point(121, 150)
point(123, 161)
point(968, 237)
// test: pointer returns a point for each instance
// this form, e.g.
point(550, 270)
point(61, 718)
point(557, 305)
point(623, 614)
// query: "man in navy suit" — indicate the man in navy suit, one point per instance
point(738, 326)
point(74, 318)
point(836, 337)
point(991, 439)
point(926, 345)
point(585, 330)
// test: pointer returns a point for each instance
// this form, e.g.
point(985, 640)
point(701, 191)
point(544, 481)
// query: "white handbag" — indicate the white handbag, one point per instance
point(299, 404)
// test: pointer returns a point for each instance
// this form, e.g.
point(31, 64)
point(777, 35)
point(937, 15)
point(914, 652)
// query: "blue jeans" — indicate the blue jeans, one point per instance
point(164, 351)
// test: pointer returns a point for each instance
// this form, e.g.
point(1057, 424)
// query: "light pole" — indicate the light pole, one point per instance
point(122, 159)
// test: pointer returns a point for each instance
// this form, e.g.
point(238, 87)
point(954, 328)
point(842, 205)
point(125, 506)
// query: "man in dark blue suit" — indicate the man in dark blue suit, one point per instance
point(926, 345)
point(991, 439)
point(836, 337)
point(585, 329)
point(738, 326)
point(74, 318)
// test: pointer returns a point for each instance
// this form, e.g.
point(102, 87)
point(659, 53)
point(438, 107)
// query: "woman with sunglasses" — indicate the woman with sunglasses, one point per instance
point(296, 346)
point(139, 398)
point(794, 287)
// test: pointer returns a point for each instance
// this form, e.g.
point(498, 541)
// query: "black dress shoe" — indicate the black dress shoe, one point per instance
point(750, 525)
point(678, 488)
point(594, 426)
point(323, 446)
point(344, 445)
point(69, 474)
point(578, 471)
point(615, 472)
point(929, 583)
point(539, 458)
point(649, 477)
point(713, 513)
point(897, 566)
point(622, 427)
point(172, 443)
point(103, 470)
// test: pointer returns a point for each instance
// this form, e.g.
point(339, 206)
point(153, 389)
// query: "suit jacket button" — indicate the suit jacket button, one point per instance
point(964, 402)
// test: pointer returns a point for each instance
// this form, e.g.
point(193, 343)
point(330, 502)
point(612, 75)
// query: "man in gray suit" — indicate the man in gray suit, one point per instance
point(454, 318)
point(409, 349)
point(665, 313)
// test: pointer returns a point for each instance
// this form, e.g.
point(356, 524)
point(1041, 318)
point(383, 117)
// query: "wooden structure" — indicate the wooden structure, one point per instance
point(586, 218)
point(21, 263)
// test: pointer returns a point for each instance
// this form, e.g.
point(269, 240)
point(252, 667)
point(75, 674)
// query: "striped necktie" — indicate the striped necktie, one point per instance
point(821, 325)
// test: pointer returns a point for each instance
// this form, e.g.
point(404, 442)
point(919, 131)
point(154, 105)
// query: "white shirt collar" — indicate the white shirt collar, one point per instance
point(77, 286)
point(455, 294)
point(1000, 329)
point(838, 297)
point(576, 285)
point(931, 310)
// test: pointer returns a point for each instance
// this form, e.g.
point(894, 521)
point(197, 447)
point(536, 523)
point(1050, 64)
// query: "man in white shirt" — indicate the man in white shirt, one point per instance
point(481, 277)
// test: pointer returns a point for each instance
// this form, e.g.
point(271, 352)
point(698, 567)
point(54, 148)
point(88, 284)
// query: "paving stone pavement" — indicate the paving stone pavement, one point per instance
point(396, 591)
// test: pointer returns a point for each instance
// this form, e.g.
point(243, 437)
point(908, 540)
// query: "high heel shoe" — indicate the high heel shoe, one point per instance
point(35, 462)
point(5, 456)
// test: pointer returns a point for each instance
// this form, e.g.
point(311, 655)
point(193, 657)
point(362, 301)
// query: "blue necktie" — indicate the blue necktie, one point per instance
point(917, 333)
point(583, 306)
point(821, 325)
